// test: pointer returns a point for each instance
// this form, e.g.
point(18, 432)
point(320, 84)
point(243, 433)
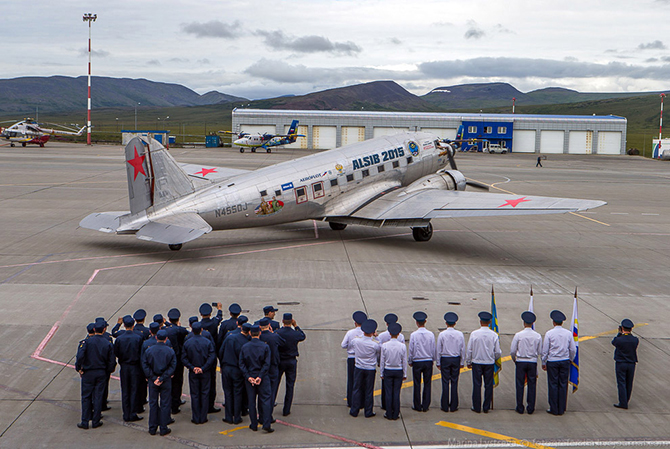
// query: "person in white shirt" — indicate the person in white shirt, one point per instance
point(450, 357)
point(483, 350)
point(347, 343)
point(558, 351)
point(525, 350)
point(393, 367)
point(366, 353)
point(420, 356)
point(385, 336)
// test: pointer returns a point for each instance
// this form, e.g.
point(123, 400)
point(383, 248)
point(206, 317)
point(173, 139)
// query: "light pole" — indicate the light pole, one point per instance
point(88, 17)
point(513, 104)
point(660, 129)
point(136, 115)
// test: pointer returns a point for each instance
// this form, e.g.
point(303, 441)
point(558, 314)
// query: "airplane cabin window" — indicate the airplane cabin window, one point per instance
point(366, 173)
point(410, 160)
point(380, 168)
point(277, 192)
point(396, 164)
point(264, 192)
point(318, 190)
point(300, 195)
point(350, 177)
point(333, 182)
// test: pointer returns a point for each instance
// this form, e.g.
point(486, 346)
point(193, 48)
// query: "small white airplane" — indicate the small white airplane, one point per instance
point(398, 180)
point(266, 140)
point(28, 131)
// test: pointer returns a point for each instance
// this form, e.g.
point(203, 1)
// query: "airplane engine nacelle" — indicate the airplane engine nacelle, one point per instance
point(442, 180)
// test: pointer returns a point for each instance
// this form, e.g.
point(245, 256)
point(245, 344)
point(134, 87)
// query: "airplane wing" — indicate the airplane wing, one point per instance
point(399, 208)
point(210, 172)
point(174, 229)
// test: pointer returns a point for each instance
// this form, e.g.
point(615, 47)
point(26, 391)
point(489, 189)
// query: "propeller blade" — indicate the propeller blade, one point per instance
point(477, 184)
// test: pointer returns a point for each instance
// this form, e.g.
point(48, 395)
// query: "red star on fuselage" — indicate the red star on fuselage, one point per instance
point(138, 164)
point(514, 203)
point(205, 171)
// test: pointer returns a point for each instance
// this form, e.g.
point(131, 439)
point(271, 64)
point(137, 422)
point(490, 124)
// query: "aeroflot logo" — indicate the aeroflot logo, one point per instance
point(308, 178)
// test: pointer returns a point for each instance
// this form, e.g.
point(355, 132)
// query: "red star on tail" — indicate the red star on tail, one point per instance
point(205, 171)
point(138, 163)
point(514, 203)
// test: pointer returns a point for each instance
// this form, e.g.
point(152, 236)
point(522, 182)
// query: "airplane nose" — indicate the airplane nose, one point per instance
point(238, 142)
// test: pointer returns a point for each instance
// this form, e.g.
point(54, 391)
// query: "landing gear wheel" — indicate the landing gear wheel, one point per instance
point(41, 145)
point(269, 150)
point(23, 144)
point(175, 247)
point(423, 234)
point(12, 145)
point(253, 150)
point(241, 150)
point(337, 226)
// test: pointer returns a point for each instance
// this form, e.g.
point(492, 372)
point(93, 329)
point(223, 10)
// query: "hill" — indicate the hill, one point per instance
point(60, 93)
point(374, 96)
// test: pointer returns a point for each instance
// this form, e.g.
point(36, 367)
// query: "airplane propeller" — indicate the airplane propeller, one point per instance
point(449, 151)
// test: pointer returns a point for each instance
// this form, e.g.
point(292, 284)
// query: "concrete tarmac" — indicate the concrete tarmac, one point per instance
point(56, 277)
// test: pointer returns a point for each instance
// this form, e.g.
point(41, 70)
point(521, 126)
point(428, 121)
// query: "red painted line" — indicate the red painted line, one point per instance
point(329, 435)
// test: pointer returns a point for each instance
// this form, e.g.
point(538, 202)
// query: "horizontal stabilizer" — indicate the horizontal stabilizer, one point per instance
point(174, 229)
point(210, 172)
point(103, 221)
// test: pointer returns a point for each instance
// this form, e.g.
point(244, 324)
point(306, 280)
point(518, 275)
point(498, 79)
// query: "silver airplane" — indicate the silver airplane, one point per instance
point(402, 180)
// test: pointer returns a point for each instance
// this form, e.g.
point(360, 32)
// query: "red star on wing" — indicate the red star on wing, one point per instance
point(138, 164)
point(514, 203)
point(205, 171)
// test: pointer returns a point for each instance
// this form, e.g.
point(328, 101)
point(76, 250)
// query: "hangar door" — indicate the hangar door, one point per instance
point(300, 142)
point(380, 131)
point(551, 142)
point(442, 133)
point(324, 137)
point(581, 142)
point(609, 142)
point(523, 141)
point(352, 134)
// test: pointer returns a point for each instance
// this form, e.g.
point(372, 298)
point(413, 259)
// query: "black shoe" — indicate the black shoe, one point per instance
point(253, 428)
point(268, 429)
point(193, 421)
point(530, 412)
point(455, 410)
point(286, 413)
point(425, 410)
point(175, 411)
point(141, 410)
point(237, 421)
point(549, 411)
point(206, 420)
point(136, 418)
point(273, 421)
point(417, 409)
point(355, 415)
point(444, 410)
point(214, 410)
point(152, 431)
point(372, 415)
point(620, 406)
point(98, 424)
point(520, 412)
point(485, 411)
point(182, 402)
point(105, 408)
point(171, 421)
point(227, 421)
point(387, 417)
point(168, 430)
point(82, 425)
point(476, 411)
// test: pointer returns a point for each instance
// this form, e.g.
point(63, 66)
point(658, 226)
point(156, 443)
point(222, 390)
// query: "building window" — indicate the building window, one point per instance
point(264, 193)
point(380, 168)
point(472, 129)
point(502, 130)
point(350, 177)
point(333, 182)
point(365, 173)
point(488, 130)
point(410, 160)
point(396, 164)
point(300, 194)
point(317, 189)
point(277, 192)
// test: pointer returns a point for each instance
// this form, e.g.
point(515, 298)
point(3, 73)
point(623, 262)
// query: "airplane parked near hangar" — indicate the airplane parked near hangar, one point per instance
point(28, 131)
point(400, 180)
point(267, 140)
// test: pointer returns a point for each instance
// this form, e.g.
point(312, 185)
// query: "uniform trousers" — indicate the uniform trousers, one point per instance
point(526, 372)
point(177, 385)
point(288, 367)
point(450, 369)
point(233, 385)
point(480, 371)
point(92, 392)
point(624, 381)
point(198, 385)
point(105, 399)
point(422, 369)
point(130, 379)
point(392, 385)
point(557, 380)
point(160, 403)
point(261, 395)
point(141, 393)
point(273, 374)
point(212, 388)
point(363, 394)
point(351, 364)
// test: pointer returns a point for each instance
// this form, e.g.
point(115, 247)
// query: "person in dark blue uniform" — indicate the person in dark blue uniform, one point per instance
point(269, 313)
point(95, 361)
point(232, 377)
point(230, 324)
point(176, 334)
point(90, 328)
point(108, 337)
point(158, 318)
point(625, 358)
point(152, 340)
point(288, 355)
point(274, 341)
point(199, 358)
point(205, 333)
point(139, 316)
point(128, 351)
point(255, 365)
point(159, 363)
point(212, 326)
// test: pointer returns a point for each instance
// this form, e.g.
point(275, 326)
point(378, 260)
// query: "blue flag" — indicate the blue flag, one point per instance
point(574, 367)
point(494, 327)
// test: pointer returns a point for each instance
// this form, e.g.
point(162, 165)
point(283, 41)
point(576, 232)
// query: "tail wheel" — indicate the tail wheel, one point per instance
point(337, 226)
point(423, 234)
point(175, 247)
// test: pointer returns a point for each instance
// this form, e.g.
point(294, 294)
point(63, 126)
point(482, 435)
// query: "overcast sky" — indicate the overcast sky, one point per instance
point(258, 49)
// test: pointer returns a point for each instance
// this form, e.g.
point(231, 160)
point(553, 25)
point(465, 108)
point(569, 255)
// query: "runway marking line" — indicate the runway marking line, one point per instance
point(329, 435)
point(495, 436)
point(229, 432)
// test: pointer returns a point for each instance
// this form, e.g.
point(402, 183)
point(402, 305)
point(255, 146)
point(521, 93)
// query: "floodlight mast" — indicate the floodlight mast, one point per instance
point(88, 17)
point(660, 129)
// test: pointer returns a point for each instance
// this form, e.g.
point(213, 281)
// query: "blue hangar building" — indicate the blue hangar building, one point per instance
point(518, 133)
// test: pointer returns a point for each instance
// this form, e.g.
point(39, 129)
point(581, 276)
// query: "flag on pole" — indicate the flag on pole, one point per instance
point(494, 327)
point(530, 305)
point(574, 367)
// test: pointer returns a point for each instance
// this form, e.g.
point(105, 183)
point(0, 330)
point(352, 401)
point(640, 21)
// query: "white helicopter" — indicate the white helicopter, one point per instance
point(28, 131)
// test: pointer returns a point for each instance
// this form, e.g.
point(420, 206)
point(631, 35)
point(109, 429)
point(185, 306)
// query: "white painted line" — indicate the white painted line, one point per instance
point(651, 214)
point(618, 213)
point(498, 444)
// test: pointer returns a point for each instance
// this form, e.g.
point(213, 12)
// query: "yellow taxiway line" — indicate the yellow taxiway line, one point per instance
point(487, 434)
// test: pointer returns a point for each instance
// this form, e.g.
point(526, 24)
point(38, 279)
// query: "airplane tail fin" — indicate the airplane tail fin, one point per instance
point(154, 178)
point(459, 133)
point(293, 128)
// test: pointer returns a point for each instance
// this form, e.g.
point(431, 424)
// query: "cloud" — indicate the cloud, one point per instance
point(446, 24)
point(154, 62)
point(651, 60)
point(500, 28)
point(178, 60)
point(656, 45)
point(277, 40)
point(204, 61)
point(94, 53)
point(474, 32)
point(395, 41)
point(213, 28)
